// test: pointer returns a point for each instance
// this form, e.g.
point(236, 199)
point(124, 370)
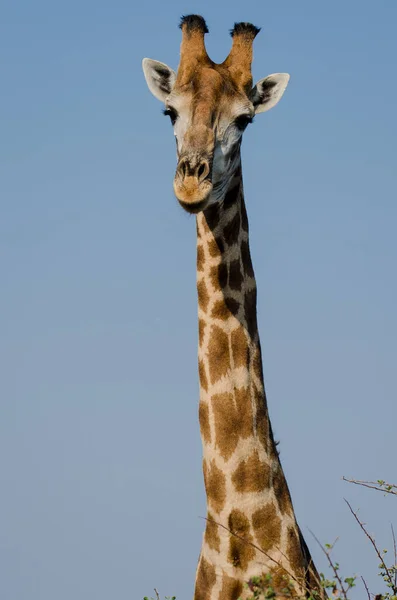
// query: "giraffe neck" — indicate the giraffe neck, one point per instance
point(246, 490)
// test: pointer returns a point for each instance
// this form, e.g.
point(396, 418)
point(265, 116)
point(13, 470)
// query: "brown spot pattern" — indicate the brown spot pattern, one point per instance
point(213, 276)
point(203, 297)
point(224, 308)
point(262, 418)
point(311, 575)
point(281, 492)
point(216, 247)
point(267, 527)
point(257, 364)
point(240, 348)
point(231, 588)
point(218, 276)
point(272, 448)
point(235, 275)
point(218, 353)
point(215, 485)
point(220, 310)
point(233, 420)
point(200, 258)
point(211, 535)
point(240, 550)
point(252, 475)
point(294, 551)
point(201, 327)
point(202, 376)
point(204, 418)
point(205, 580)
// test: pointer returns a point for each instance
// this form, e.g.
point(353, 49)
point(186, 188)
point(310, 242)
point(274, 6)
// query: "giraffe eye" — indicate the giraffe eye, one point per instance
point(172, 114)
point(242, 121)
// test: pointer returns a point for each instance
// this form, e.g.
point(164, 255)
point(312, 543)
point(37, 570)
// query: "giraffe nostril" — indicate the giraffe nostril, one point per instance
point(202, 171)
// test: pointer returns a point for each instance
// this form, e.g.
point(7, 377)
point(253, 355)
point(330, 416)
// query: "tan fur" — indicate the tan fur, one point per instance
point(239, 60)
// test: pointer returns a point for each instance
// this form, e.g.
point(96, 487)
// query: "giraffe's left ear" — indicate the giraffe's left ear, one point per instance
point(159, 77)
point(268, 91)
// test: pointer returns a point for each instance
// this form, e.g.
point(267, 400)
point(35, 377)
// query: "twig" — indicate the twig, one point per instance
point(388, 488)
point(157, 594)
point(395, 555)
point(371, 539)
point(331, 564)
point(366, 587)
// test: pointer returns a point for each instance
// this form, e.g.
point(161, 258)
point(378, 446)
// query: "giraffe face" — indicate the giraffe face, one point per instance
point(209, 115)
point(210, 105)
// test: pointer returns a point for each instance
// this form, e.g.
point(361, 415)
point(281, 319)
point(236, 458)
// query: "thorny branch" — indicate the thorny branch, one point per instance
point(380, 485)
point(331, 564)
point(366, 587)
point(388, 575)
point(395, 555)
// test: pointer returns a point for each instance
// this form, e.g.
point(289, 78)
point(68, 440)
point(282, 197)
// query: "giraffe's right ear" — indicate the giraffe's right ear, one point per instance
point(159, 77)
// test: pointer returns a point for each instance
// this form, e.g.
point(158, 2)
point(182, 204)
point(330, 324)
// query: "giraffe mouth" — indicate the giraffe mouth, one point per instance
point(194, 207)
point(191, 194)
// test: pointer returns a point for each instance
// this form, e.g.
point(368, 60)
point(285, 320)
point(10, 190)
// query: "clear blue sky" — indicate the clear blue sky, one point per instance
point(100, 454)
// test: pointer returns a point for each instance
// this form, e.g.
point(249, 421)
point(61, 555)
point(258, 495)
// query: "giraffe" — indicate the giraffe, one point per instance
point(251, 530)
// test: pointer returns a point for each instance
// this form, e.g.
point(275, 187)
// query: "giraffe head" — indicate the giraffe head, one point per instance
point(210, 105)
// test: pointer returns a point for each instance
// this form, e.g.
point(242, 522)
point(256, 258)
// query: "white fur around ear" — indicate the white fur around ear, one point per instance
point(159, 77)
point(268, 91)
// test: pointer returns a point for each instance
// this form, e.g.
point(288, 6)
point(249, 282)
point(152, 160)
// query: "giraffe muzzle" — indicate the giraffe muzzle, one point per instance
point(192, 183)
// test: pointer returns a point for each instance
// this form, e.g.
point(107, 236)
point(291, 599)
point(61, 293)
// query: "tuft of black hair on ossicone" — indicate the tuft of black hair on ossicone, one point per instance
point(245, 28)
point(194, 23)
